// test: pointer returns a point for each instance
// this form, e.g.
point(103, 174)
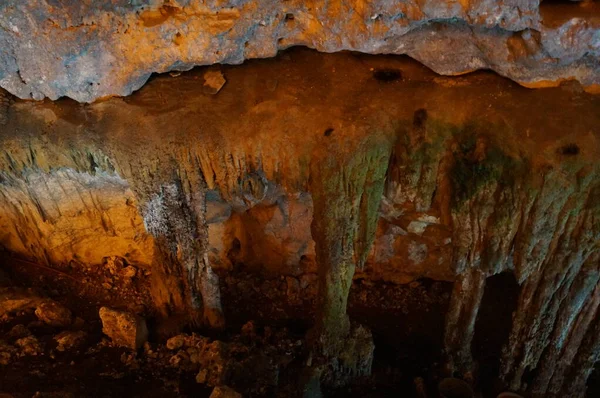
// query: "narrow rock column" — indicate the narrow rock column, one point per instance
point(347, 191)
point(202, 278)
point(172, 201)
point(460, 321)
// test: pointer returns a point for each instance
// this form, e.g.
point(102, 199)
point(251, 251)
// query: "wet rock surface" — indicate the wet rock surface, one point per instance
point(86, 51)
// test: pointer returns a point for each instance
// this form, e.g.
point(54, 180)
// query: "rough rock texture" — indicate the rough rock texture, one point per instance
point(394, 169)
point(124, 329)
point(88, 50)
point(225, 392)
point(14, 300)
point(68, 339)
point(53, 314)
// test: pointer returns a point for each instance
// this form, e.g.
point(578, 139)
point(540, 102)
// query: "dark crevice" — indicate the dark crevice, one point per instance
point(493, 327)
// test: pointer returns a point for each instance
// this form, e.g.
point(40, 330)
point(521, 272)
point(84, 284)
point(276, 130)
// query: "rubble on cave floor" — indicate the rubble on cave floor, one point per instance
point(39, 357)
point(253, 358)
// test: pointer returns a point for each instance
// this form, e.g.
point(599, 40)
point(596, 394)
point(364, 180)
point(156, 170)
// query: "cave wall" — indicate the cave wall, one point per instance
point(452, 178)
point(89, 50)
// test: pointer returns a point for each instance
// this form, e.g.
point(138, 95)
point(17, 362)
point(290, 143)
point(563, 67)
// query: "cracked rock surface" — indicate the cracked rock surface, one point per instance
point(88, 50)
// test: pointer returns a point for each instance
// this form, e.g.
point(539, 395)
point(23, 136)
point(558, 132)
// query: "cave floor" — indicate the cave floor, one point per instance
point(406, 320)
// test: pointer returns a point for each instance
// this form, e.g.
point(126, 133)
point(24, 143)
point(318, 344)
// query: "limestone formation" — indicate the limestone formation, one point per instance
point(341, 165)
point(89, 50)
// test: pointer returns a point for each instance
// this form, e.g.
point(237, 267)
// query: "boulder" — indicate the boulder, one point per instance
point(14, 300)
point(54, 314)
point(70, 339)
point(124, 328)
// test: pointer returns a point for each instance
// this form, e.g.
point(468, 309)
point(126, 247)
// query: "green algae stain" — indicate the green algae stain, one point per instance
point(480, 162)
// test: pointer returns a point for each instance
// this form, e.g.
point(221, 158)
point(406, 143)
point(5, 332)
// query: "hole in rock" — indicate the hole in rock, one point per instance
point(387, 75)
point(570, 150)
point(419, 118)
point(328, 132)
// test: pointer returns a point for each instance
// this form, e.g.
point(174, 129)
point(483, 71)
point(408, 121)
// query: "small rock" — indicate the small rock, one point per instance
point(4, 358)
point(249, 329)
point(225, 392)
point(18, 331)
point(29, 345)
point(114, 264)
point(213, 81)
point(107, 286)
point(124, 328)
point(53, 314)
point(176, 342)
point(414, 284)
point(68, 339)
point(129, 272)
point(202, 376)
point(179, 359)
point(14, 300)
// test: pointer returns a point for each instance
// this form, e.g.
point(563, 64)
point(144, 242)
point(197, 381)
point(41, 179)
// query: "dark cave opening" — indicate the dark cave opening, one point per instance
point(492, 328)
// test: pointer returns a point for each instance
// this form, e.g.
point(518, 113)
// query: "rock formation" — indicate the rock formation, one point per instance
point(89, 50)
point(396, 171)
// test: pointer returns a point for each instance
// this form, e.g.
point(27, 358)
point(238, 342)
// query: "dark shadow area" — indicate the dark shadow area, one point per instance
point(593, 385)
point(492, 328)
